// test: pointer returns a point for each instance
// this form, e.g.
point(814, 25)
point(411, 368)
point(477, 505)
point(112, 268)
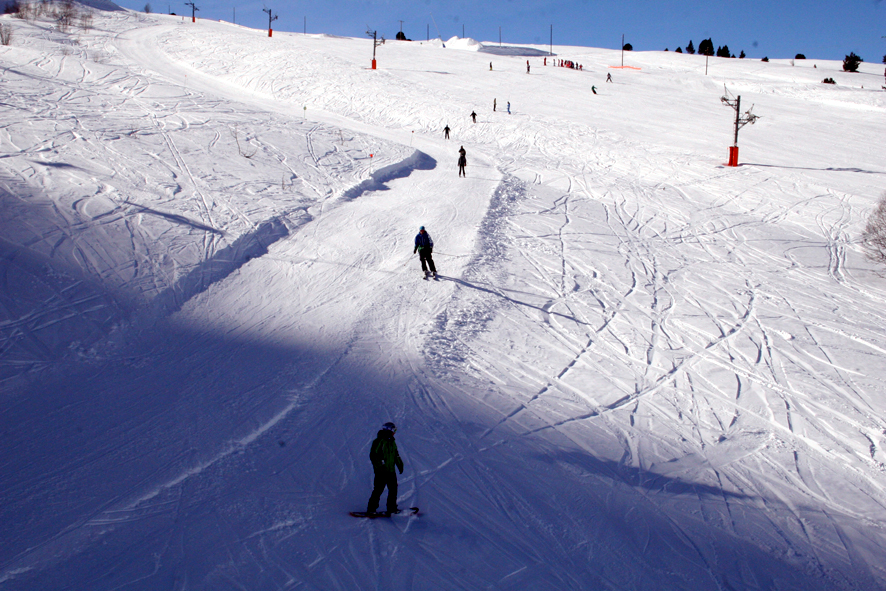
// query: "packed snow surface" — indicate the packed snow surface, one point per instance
point(639, 369)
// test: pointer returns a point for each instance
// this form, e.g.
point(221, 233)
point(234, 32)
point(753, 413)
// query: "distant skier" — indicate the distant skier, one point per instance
point(594, 89)
point(384, 457)
point(446, 132)
point(509, 107)
point(474, 116)
point(425, 248)
point(490, 66)
point(462, 161)
point(494, 103)
point(609, 77)
point(546, 61)
point(527, 66)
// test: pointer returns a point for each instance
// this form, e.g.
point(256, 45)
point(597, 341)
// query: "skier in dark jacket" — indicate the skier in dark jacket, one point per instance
point(384, 457)
point(462, 161)
point(446, 132)
point(425, 248)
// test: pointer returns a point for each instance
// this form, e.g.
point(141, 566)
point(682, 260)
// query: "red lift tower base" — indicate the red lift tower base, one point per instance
point(733, 156)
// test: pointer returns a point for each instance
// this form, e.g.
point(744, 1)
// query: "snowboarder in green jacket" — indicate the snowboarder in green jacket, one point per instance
point(384, 457)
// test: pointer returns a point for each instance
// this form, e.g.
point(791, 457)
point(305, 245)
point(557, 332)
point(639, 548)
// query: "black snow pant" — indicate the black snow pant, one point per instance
point(424, 255)
point(383, 478)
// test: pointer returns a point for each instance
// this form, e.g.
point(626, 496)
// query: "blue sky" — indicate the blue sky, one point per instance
point(774, 28)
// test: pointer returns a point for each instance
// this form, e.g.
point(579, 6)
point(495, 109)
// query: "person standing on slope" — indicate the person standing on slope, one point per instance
point(425, 248)
point(474, 116)
point(462, 161)
point(384, 457)
point(446, 132)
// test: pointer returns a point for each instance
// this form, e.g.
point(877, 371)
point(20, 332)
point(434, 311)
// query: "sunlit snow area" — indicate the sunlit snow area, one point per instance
point(639, 368)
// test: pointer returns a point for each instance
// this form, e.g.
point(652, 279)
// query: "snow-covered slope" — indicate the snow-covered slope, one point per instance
point(640, 369)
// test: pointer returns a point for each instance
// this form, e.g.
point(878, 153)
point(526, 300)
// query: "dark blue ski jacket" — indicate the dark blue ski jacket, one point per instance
point(423, 240)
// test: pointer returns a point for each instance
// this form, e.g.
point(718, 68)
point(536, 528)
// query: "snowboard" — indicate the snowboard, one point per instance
point(364, 514)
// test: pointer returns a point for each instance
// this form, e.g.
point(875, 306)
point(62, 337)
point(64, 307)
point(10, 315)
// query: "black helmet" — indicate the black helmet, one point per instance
point(389, 426)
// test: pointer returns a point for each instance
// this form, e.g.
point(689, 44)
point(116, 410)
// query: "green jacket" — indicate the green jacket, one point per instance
point(383, 453)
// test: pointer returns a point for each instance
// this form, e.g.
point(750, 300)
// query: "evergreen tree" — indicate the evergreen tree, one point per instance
point(678, 50)
point(628, 47)
point(850, 64)
point(706, 47)
point(741, 56)
point(799, 56)
point(723, 51)
point(690, 49)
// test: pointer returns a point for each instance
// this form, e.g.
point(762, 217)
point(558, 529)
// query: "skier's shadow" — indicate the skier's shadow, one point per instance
point(501, 294)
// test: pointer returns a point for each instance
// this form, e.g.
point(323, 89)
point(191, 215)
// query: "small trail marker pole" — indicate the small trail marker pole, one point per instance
point(270, 20)
point(740, 121)
point(194, 10)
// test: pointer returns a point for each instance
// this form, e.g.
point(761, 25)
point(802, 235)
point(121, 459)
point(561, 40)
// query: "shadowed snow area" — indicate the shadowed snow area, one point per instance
point(638, 368)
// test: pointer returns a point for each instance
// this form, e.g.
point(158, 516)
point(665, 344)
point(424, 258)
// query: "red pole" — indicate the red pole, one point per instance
point(373, 63)
point(270, 32)
point(733, 156)
point(193, 19)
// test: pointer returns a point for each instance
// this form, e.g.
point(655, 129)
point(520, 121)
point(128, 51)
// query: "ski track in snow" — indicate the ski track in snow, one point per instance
point(638, 368)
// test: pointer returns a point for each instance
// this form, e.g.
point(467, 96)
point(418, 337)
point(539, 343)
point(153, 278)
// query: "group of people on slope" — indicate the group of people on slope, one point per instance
point(383, 453)
point(568, 64)
point(462, 154)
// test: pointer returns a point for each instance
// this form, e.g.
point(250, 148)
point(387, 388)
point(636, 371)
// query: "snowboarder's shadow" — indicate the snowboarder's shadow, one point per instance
point(356, 266)
point(829, 169)
point(501, 293)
